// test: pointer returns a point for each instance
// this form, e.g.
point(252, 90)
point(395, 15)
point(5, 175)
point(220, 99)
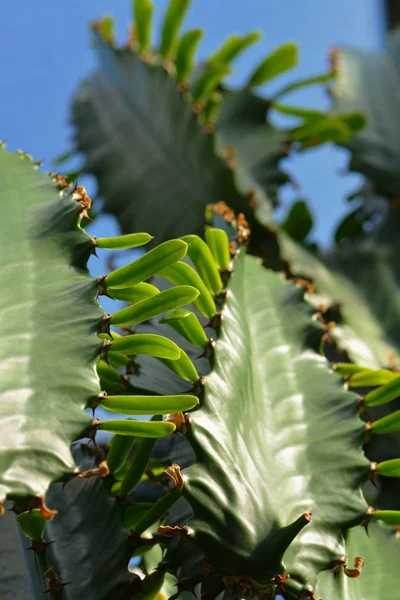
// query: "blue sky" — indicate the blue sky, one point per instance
point(45, 52)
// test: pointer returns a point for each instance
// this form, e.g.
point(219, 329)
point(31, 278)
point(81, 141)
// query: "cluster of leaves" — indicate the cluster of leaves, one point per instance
point(254, 413)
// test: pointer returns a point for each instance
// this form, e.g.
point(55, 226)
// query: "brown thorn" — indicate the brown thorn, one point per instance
point(105, 324)
point(45, 511)
point(169, 531)
point(101, 471)
point(104, 351)
point(358, 563)
point(174, 472)
point(198, 386)
point(40, 547)
point(280, 579)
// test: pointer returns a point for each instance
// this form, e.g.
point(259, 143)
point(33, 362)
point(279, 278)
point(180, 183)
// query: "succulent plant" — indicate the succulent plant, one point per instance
point(266, 367)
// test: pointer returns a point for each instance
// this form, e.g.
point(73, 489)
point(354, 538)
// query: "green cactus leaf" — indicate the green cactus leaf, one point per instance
point(89, 519)
point(368, 329)
point(49, 345)
point(368, 83)
point(124, 96)
point(280, 60)
point(380, 576)
point(272, 418)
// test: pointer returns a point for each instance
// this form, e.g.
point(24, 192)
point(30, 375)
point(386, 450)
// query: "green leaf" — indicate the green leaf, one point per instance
point(142, 14)
point(173, 20)
point(151, 307)
point(383, 395)
point(202, 258)
point(387, 424)
point(271, 418)
point(180, 274)
point(280, 60)
point(148, 405)
point(209, 81)
point(135, 293)
point(44, 279)
point(325, 78)
point(368, 83)
point(185, 52)
point(233, 47)
point(124, 241)
point(146, 429)
point(146, 343)
point(298, 222)
point(380, 575)
point(389, 468)
point(218, 242)
point(32, 524)
point(188, 325)
point(369, 378)
point(146, 266)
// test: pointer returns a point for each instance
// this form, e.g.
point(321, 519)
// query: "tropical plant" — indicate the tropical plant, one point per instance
point(268, 368)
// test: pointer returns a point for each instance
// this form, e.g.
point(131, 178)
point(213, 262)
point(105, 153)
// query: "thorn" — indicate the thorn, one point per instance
point(93, 430)
point(215, 321)
point(54, 585)
point(45, 511)
point(280, 579)
point(358, 563)
point(230, 157)
point(221, 297)
point(104, 352)
point(169, 531)
point(175, 418)
point(101, 471)
point(366, 519)
point(174, 472)
point(105, 325)
point(198, 387)
point(97, 400)
point(39, 547)
point(209, 349)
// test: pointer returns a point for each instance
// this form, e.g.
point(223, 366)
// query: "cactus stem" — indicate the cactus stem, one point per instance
point(174, 472)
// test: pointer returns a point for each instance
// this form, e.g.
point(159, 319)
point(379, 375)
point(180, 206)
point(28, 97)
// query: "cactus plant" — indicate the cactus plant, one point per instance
point(266, 368)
